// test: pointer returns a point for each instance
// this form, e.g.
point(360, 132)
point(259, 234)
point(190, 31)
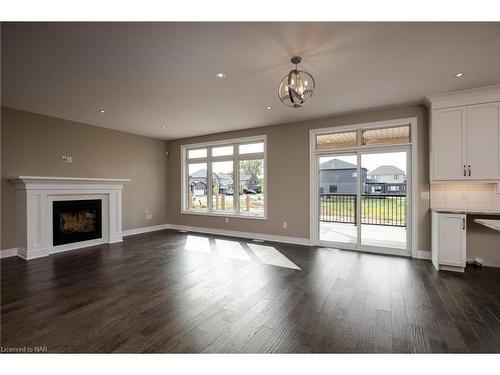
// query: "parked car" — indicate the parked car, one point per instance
point(249, 191)
point(255, 188)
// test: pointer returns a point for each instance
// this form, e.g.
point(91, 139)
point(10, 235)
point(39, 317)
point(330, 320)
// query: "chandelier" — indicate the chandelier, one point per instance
point(297, 87)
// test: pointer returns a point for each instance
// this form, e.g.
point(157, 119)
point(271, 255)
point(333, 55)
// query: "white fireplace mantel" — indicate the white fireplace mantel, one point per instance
point(35, 196)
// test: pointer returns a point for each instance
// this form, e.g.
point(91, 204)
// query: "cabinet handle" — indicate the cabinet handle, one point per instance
point(465, 170)
point(470, 171)
point(463, 223)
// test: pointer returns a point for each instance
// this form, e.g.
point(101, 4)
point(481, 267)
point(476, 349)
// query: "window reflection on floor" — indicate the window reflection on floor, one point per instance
point(234, 249)
point(198, 244)
point(231, 249)
point(269, 255)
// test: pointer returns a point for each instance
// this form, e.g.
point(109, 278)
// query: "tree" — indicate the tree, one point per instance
point(253, 168)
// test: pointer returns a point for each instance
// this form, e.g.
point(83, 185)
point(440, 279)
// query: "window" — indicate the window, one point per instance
point(386, 136)
point(392, 135)
point(396, 177)
point(195, 154)
point(333, 188)
point(225, 178)
point(197, 186)
point(335, 141)
point(393, 188)
point(222, 186)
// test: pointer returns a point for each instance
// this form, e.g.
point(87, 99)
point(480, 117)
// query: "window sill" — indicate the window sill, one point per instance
point(224, 214)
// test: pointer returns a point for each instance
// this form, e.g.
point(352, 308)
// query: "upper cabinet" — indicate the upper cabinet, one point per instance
point(448, 157)
point(483, 141)
point(465, 135)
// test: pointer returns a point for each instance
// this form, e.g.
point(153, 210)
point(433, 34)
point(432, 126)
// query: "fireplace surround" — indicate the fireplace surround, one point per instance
point(36, 197)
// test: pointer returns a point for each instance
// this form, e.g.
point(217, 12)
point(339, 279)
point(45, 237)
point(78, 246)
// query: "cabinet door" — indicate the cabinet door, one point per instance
point(483, 141)
point(448, 142)
point(451, 240)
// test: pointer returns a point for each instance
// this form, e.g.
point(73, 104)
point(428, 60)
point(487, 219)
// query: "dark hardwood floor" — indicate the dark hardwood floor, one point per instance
point(175, 292)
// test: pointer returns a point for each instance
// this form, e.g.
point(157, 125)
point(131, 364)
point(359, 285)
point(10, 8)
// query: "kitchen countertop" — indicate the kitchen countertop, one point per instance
point(492, 224)
point(467, 212)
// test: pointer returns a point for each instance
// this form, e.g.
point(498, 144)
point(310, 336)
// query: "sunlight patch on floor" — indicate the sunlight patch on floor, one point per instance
point(198, 244)
point(269, 255)
point(231, 249)
point(235, 250)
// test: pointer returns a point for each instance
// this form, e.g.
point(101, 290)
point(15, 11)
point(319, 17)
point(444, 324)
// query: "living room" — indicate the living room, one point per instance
point(255, 187)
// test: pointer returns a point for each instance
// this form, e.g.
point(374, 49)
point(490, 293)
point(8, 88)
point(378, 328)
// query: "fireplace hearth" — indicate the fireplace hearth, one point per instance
point(76, 220)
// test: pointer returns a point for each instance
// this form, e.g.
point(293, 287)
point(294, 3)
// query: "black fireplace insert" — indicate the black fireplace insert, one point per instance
point(77, 220)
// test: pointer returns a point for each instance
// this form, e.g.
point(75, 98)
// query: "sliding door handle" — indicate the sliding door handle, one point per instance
point(470, 171)
point(465, 170)
point(463, 223)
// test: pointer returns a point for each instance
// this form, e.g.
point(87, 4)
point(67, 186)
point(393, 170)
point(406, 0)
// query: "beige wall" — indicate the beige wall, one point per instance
point(32, 144)
point(288, 165)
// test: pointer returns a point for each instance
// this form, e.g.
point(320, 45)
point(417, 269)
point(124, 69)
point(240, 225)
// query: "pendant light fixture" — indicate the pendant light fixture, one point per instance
point(297, 87)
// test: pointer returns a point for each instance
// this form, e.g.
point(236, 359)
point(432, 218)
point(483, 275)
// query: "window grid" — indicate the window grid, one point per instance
point(235, 158)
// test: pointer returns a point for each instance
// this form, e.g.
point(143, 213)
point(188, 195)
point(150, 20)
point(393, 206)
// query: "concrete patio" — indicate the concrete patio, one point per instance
point(371, 235)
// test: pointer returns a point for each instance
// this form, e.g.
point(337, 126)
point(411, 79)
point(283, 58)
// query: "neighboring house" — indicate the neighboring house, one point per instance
point(246, 184)
point(338, 176)
point(386, 179)
point(388, 174)
point(198, 182)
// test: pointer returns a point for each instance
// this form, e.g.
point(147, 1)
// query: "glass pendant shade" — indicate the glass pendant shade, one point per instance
point(296, 88)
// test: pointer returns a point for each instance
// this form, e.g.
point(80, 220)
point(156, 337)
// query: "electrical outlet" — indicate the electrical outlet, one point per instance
point(424, 195)
point(148, 214)
point(285, 225)
point(69, 159)
point(64, 158)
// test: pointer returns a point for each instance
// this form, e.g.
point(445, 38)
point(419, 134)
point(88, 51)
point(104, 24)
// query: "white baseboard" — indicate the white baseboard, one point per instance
point(7, 253)
point(153, 228)
point(423, 254)
point(240, 234)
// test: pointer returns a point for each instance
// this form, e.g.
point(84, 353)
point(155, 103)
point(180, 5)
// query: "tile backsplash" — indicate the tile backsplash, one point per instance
point(465, 196)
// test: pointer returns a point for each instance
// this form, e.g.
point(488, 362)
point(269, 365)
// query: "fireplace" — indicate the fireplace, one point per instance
point(76, 220)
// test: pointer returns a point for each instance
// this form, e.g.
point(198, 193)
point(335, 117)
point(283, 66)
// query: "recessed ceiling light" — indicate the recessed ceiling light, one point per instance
point(459, 75)
point(101, 111)
point(268, 107)
point(163, 127)
point(220, 75)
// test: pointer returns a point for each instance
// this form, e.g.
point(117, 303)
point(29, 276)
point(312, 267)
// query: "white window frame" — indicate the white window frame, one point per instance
point(236, 157)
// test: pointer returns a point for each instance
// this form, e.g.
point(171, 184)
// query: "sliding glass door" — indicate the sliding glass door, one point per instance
point(338, 198)
point(384, 189)
point(363, 182)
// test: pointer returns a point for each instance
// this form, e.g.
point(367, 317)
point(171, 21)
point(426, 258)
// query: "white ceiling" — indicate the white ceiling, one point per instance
point(145, 75)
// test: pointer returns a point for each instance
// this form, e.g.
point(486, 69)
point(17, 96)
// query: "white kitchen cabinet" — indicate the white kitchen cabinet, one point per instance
point(448, 241)
point(483, 141)
point(448, 138)
point(465, 135)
